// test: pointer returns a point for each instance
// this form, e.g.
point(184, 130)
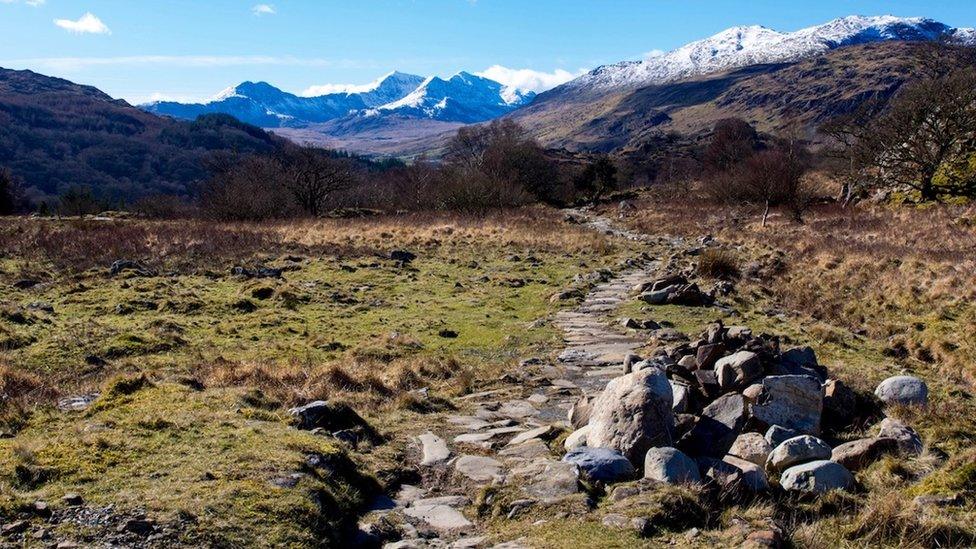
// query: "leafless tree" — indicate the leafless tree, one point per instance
point(313, 177)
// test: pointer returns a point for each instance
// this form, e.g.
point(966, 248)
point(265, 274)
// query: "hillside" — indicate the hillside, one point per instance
point(55, 134)
point(771, 96)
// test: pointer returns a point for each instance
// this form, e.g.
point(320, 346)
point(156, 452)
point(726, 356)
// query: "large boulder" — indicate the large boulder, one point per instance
point(909, 441)
point(817, 477)
point(717, 427)
point(601, 464)
point(751, 447)
point(633, 414)
point(738, 370)
point(858, 454)
point(671, 466)
point(792, 402)
point(903, 390)
point(795, 451)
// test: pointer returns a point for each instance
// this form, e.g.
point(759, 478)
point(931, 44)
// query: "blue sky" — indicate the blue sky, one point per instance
point(192, 49)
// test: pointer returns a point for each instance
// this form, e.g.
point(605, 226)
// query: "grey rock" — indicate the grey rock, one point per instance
point(680, 397)
point(439, 517)
point(840, 403)
point(799, 361)
point(717, 427)
point(531, 449)
point(479, 468)
point(536, 433)
point(792, 402)
point(777, 435)
point(434, 449)
point(579, 414)
point(858, 454)
point(633, 414)
point(817, 477)
point(903, 390)
point(671, 466)
point(577, 439)
point(601, 464)
point(738, 370)
point(909, 441)
point(734, 473)
point(555, 481)
point(801, 449)
point(751, 447)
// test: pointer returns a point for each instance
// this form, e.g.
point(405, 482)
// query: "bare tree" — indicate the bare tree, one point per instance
point(313, 177)
point(927, 139)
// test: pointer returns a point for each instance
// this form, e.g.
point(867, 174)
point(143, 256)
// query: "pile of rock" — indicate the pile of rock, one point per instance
point(734, 409)
point(673, 290)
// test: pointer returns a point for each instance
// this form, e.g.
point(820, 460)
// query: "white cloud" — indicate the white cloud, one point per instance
point(264, 9)
point(31, 3)
point(86, 24)
point(327, 89)
point(528, 79)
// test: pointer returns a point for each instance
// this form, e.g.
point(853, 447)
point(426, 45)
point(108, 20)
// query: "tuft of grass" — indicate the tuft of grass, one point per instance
point(719, 264)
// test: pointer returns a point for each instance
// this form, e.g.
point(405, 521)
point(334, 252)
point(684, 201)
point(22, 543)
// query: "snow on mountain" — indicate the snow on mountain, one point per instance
point(464, 97)
point(744, 46)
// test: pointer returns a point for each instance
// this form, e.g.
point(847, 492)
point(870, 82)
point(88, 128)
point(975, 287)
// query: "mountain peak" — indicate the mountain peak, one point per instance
point(754, 44)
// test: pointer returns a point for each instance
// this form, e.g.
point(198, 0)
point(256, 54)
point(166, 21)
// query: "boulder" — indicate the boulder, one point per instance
point(792, 402)
point(801, 449)
point(817, 477)
point(732, 473)
point(440, 517)
point(751, 447)
point(839, 405)
point(858, 454)
point(577, 439)
point(709, 354)
point(738, 370)
point(633, 414)
point(717, 427)
point(903, 390)
point(688, 362)
point(777, 435)
point(601, 464)
point(909, 441)
point(671, 466)
point(333, 418)
point(579, 414)
point(680, 397)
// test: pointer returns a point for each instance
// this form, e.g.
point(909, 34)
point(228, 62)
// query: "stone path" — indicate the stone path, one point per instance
point(503, 440)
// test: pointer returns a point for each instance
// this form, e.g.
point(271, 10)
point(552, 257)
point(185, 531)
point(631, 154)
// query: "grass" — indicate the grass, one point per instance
point(196, 368)
point(877, 291)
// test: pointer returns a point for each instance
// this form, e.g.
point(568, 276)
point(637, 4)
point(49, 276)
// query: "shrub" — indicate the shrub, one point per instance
point(721, 264)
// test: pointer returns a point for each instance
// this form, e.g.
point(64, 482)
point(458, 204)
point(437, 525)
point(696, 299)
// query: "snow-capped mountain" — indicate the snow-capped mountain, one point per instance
point(753, 45)
point(462, 98)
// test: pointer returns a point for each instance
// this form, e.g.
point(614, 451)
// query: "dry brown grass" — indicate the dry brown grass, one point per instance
point(20, 392)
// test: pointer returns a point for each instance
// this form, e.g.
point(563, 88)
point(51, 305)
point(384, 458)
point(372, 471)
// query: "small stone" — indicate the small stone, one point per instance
point(909, 441)
point(792, 402)
point(577, 439)
point(440, 517)
point(688, 362)
point(801, 449)
point(738, 370)
point(479, 468)
point(903, 390)
point(681, 394)
point(717, 428)
point(858, 454)
point(555, 481)
point(539, 432)
point(751, 447)
point(777, 435)
point(614, 520)
point(671, 466)
point(434, 449)
point(601, 464)
point(14, 528)
point(140, 527)
point(817, 477)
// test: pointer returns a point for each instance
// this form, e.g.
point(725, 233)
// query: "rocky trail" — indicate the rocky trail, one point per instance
point(726, 410)
point(504, 439)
